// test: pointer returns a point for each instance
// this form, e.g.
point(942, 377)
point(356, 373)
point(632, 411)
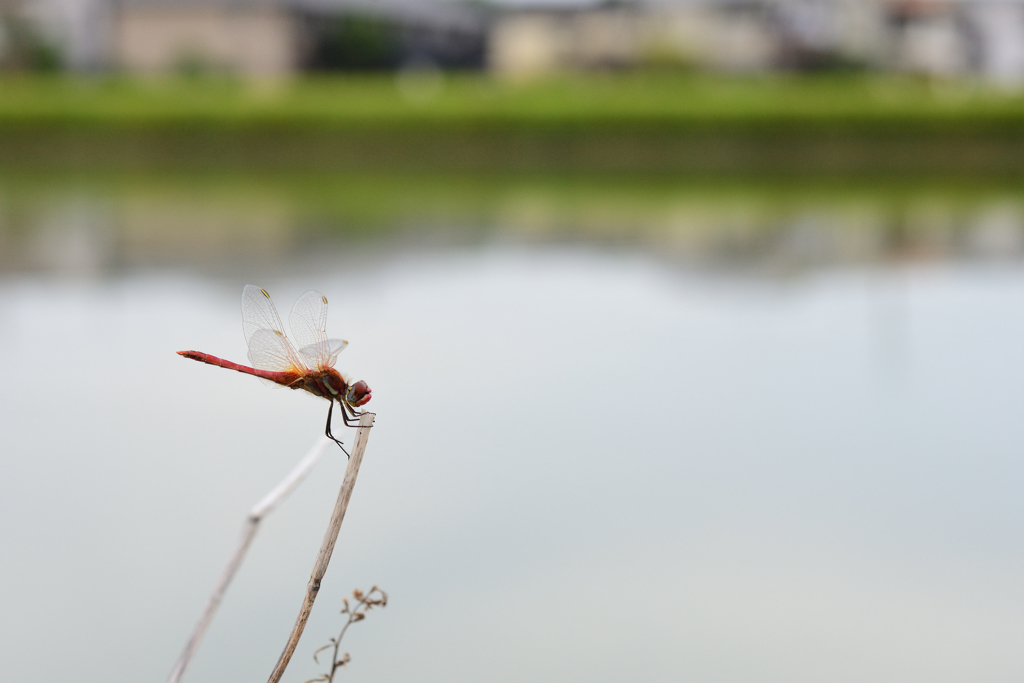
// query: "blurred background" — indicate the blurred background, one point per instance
point(694, 331)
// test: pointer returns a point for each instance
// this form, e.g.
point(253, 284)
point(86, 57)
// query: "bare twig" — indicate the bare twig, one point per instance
point(260, 510)
point(327, 546)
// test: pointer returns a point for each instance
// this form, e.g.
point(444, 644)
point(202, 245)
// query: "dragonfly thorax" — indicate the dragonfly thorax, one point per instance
point(327, 384)
point(331, 384)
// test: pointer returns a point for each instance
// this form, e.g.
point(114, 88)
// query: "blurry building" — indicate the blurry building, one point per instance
point(257, 37)
point(733, 35)
point(932, 37)
point(737, 36)
point(538, 41)
point(998, 33)
point(159, 35)
point(714, 36)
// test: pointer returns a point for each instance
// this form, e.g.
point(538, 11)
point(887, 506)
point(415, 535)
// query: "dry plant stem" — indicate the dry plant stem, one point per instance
point(375, 597)
point(260, 510)
point(327, 546)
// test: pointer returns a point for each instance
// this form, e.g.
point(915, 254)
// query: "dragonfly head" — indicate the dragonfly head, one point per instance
point(358, 394)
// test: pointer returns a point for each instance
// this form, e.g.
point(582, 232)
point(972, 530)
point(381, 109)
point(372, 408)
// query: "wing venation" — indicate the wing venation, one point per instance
point(269, 348)
point(308, 323)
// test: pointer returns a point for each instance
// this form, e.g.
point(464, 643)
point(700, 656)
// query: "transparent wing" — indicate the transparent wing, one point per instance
point(314, 355)
point(308, 322)
point(334, 347)
point(269, 348)
point(258, 312)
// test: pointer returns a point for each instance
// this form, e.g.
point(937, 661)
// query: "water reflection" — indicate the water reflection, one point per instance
point(78, 225)
point(818, 478)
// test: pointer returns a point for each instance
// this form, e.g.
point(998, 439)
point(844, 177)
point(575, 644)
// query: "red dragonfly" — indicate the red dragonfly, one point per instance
point(275, 360)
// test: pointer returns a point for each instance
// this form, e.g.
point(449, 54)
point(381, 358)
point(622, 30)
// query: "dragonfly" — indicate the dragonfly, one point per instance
point(309, 366)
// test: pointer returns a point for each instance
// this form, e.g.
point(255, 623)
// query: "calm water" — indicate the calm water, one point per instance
point(693, 434)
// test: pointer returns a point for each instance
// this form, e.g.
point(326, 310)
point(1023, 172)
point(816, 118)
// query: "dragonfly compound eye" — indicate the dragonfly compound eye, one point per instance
point(358, 393)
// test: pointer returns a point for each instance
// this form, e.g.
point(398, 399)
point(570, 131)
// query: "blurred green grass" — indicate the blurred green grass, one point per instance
point(625, 99)
point(663, 121)
point(637, 99)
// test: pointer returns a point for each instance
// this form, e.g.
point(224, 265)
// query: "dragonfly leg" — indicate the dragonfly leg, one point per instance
point(346, 410)
point(349, 413)
point(344, 414)
point(327, 432)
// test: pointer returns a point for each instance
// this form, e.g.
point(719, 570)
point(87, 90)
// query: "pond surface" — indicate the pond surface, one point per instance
point(625, 432)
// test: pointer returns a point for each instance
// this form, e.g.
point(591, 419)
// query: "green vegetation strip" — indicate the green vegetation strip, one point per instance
point(640, 121)
point(658, 100)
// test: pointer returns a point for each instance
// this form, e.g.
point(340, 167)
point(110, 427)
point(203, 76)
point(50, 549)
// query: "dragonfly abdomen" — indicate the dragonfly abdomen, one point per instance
point(285, 378)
